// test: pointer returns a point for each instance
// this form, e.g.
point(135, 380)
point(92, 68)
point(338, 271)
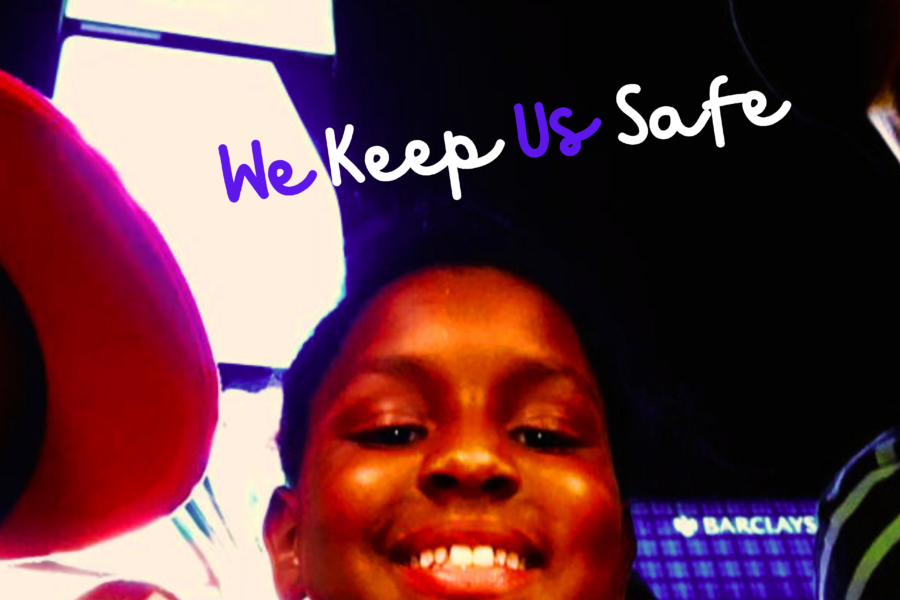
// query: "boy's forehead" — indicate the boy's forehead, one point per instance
point(480, 312)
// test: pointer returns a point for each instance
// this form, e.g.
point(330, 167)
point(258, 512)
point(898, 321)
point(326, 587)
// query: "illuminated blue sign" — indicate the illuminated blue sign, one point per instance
point(755, 525)
point(748, 550)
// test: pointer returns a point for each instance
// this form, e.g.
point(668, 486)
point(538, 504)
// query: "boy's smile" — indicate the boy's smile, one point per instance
point(457, 449)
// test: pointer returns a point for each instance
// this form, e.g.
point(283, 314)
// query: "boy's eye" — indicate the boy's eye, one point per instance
point(545, 440)
point(395, 435)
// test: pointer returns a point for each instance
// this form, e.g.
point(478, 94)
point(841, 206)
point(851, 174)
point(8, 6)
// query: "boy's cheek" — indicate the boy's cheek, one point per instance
point(572, 485)
point(583, 509)
point(353, 485)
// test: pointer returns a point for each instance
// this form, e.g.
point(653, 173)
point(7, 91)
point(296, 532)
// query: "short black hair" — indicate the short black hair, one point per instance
point(405, 242)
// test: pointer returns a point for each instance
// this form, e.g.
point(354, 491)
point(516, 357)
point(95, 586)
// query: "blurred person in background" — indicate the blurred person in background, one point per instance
point(840, 68)
point(108, 389)
point(857, 553)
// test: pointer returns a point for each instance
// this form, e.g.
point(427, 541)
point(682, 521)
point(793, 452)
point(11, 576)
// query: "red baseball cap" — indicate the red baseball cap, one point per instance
point(131, 384)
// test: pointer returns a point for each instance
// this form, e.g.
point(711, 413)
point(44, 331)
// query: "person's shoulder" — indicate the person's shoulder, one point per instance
point(858, 515)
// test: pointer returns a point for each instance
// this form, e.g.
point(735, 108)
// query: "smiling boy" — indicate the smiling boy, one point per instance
point(446, 433)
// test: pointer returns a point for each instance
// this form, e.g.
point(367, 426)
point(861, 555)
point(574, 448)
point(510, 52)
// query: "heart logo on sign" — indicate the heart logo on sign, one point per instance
point(686, 526)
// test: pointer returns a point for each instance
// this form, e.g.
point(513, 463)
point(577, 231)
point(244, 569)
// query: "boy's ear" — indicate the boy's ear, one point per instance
point(281, 530)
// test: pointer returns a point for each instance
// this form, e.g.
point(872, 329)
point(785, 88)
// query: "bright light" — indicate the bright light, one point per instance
point(305, 25)
point(224, 519)
point(212, 547)
point(244, 467)
point(263, 272)
point(41, 585)
point(155, 554)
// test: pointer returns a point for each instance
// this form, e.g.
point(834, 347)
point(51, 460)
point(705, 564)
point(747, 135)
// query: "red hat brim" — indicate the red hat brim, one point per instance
point(131, 382)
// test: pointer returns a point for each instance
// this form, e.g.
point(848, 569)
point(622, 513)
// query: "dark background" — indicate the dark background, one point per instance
point(759, 275)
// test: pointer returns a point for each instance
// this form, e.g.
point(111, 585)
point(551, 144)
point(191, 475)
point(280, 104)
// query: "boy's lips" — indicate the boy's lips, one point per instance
point(463, 559)
point(472, 582)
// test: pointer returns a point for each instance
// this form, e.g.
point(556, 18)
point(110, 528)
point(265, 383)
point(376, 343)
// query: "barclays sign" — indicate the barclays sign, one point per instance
point(745, 525)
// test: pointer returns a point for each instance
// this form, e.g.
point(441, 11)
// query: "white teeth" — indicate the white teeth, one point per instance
point(426, 559)
point(461, 556)
point(483, 556)
point(467, 556)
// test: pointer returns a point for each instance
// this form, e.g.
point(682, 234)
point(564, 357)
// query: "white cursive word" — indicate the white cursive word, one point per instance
point(711, 108)
point(417, 153)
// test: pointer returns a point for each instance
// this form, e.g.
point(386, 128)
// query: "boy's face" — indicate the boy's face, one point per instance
point(460, 425)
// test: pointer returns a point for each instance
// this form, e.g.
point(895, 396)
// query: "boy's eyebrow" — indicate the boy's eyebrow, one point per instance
point(529, 372)
point(404, 367)
point(525, 372)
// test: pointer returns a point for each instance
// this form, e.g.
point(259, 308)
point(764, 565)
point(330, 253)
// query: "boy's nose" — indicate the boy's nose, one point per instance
point(469, 467)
